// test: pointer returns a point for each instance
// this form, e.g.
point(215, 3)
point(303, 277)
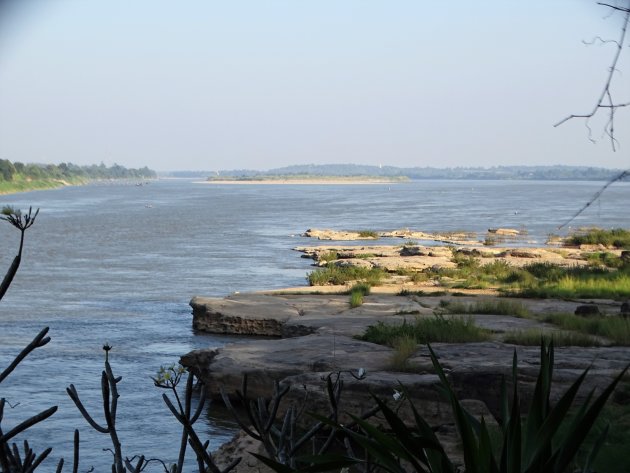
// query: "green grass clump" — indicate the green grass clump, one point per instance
point(435, 329)
point(616, 238)
point(404, 347)
point(492, 306)
point(615, 285)
point(332, 274)
point(357, 293)
point(614, 328)
point(329, 256)
point(367, 234)
point(356, 299)
point(532, 337)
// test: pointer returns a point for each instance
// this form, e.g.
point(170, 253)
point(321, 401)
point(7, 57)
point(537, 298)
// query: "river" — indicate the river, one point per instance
point(118, 263)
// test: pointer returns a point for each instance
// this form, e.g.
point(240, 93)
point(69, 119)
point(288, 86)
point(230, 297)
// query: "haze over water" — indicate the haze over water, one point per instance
point(119, 263)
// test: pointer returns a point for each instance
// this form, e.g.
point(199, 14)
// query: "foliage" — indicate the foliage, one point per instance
point(486, 306)
point(604, 258)
point(547, 439)
point(427, 330)
point(356, 299)
point(404, 347)
point(614, 328)
point(328, 256)
point(68, 171)
point(616, 238)
point(357, 292)
point(532, 337)
point(22, 222)
point(290, 441)
point(367, 234)
point(332, 274)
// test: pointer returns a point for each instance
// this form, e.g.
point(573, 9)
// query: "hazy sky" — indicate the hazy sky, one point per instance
point(201, 84)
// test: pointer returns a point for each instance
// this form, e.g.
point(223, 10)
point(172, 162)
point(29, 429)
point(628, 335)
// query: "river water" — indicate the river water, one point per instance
point(118, 263)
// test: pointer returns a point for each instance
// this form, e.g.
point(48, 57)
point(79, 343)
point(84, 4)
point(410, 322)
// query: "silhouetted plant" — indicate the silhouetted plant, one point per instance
point(22, 222)
point(286, 437)
point(527, 444)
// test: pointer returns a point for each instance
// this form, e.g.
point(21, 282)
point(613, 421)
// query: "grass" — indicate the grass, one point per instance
point(605, 259)
point(329, 256)
point(367, 234)
point(357, 293)
point(532, 337)
point(494, 307)
point(614, 328)
point(615, 285)
point(615, 238)
point(407, 292)
point(435, 329)
point(404, 347)
point(356, 299)
point(340, 275)
point(413, 276)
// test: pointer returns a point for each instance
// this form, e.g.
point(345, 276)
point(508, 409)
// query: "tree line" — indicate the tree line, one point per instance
point(13, 171)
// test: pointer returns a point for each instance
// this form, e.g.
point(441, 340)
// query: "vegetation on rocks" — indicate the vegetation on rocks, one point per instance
point(486, 306)
point(433, 329)
point(615, 238)
point(357, 292)
point(616, 329)
point(333, 274)
point(533, 337)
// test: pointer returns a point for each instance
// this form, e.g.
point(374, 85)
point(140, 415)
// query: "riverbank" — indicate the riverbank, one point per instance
point(314, 181)
point(311, 332)
point(14, 187)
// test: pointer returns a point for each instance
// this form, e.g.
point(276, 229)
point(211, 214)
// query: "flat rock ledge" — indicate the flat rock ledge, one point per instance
point(310, 336)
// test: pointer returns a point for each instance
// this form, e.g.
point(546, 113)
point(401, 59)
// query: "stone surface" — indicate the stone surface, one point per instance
point(318, 342)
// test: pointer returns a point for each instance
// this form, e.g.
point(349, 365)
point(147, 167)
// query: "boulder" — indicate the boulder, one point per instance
point(586, 310)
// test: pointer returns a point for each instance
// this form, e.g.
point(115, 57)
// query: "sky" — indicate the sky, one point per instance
point(214, 85)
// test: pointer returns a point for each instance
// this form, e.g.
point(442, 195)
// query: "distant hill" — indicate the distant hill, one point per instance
point(552, 173)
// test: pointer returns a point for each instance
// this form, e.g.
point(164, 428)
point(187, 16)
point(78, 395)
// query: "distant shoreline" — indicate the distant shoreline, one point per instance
point(331, 181)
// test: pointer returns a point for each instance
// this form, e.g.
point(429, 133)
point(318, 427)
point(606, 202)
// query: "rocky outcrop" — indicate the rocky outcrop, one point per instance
point(318, 340)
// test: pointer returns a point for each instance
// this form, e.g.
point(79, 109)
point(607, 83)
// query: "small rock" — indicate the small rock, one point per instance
point(504, 231)
point(587, 310)
point(625, 309)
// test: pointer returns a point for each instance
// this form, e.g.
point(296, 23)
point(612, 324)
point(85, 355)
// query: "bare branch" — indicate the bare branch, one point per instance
point(614, 7)
point(605, 100)
point(596, 196)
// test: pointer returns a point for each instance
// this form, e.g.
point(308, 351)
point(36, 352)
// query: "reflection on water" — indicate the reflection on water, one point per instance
point(119, 264)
